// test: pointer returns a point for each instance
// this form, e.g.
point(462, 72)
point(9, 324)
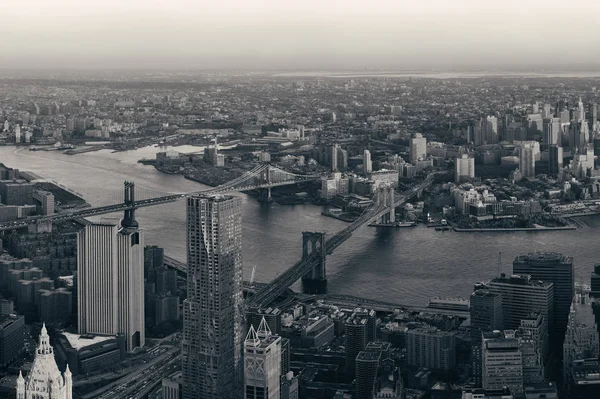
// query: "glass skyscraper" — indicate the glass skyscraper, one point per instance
point(213, 311)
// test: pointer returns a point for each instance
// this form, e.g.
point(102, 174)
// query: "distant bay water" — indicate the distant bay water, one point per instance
point(406, 265)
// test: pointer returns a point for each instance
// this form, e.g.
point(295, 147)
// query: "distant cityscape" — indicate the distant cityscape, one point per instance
point(93, 308)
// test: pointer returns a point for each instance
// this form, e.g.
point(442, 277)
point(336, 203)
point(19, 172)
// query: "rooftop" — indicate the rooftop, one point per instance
point(81, 341)
point(516, 279)
point(544, 256)
point(368, 356)
point(7, 320)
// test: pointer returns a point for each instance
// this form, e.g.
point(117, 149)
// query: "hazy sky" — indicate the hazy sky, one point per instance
point(300, 34)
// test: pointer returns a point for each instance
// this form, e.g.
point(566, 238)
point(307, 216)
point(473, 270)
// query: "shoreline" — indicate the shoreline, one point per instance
point(540, 228)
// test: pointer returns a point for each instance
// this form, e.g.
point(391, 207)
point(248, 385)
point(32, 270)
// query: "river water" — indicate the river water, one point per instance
point(407, 265)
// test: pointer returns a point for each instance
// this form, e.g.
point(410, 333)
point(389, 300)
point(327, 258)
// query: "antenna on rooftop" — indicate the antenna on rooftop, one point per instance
point(252, 275)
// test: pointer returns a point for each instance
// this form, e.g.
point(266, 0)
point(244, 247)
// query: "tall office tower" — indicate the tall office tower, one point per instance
point(356, 340)
point(556, 269)
point(552, 131)
point(12, 337)
point(486, 313)
point(533, 367)
point(262, 363)
point(527, 159)
point(491, 130)
point(581, 337)
point(334, 157)
point(431, 348)
point(593, 114)
point(547, 111)
point(213, 311)
point(555, 159)
point(535, 326)
point(595, 286)
point(45, 380)
point(343, 160)
point(289, 386)
point(17, 134)
point(367, 163)
point(110, 279)
point(479, 130)
point(578, 136)
point(564, 116)
point(154, 259)
point(522, 296)
point(502, 362)
point(418, 148)
point(367, 364)
point(579, 113)
point(464, 168)
point(535, 108)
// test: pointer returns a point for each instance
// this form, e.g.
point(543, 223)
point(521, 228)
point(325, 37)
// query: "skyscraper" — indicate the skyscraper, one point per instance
point(556, 269)
point(527, 159)
point(552, 131)
point(581, 337)
point(367, 364)
point(367, 163)
point(555, 159)
point(464, 168)
point(431, 348)
point(486, 313)
point(45, 380)
point(595, 280)
point(356, 339)
point(418, 148)
point(522, 296)
point(491, 130)
point(502, 362)
point(213, 311)
point(262, 363)
point(334, 157)
point(535, 327)
point(110, 279)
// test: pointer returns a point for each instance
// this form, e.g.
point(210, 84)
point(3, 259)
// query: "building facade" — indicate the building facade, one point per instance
point(502, 362)
point(262, 363)
point(486, 312)
point(110, 280)
point(464, 168)
point(418, 148)
point(557, 269)
point(581, 337)
point(213, 311)
point(522, 296)
point(431, 348)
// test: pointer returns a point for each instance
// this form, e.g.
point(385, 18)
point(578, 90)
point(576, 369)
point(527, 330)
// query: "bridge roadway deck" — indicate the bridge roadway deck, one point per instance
point(277, 287)
point(293, 274)
point(100, 210)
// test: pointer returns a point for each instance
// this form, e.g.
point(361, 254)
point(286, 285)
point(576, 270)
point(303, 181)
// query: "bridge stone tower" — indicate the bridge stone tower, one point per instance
point(129, 200)
point(265, 193)
point(315, 281)
point(385, 197)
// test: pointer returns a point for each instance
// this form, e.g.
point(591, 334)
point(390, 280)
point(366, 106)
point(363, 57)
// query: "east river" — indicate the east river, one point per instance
point(406, 265)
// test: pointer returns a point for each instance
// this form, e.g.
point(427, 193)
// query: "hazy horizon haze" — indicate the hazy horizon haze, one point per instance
point(310, 34)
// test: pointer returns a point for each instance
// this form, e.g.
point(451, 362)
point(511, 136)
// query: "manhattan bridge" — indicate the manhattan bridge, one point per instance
point(316, 246)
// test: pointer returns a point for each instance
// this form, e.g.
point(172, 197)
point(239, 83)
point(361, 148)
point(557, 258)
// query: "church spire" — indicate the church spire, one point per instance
point(44, 347)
